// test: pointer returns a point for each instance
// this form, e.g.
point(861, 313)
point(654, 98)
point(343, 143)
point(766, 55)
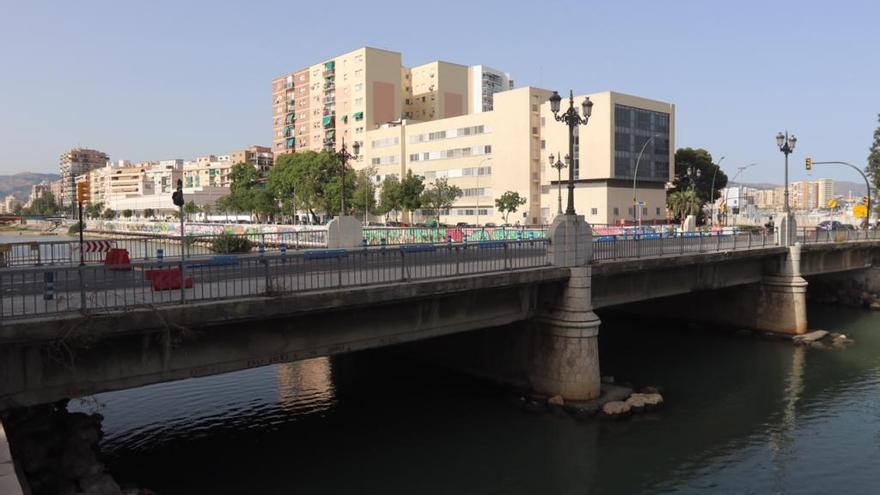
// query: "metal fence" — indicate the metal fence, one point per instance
point(34, 292)
point(607, 248)
point(809, 235)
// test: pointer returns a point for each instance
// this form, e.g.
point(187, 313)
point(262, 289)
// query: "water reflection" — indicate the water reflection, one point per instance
point(305, 386)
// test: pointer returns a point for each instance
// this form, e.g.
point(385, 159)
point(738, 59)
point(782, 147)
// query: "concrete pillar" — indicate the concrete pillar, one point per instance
point(345, 232)
point(781, 302)
point(787, 230)
point(563, 347)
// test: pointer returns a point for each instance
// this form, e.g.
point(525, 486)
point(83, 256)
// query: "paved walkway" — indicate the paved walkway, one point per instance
point(9, 484)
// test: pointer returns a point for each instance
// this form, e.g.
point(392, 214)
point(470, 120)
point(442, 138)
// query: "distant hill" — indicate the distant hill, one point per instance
point(20, 184)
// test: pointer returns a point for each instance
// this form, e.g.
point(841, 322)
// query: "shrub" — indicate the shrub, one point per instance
point(74, 229)
point(227, 243)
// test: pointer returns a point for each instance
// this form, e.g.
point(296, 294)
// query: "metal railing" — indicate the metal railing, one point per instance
point(609, 248)
point(813, 235)
point(51, 290)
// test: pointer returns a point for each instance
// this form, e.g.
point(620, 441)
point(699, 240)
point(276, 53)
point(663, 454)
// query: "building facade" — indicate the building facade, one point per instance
point(75, 162)
point(484, 83)
point(260, 157)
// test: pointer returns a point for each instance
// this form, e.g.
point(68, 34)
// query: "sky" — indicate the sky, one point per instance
point(178, 79)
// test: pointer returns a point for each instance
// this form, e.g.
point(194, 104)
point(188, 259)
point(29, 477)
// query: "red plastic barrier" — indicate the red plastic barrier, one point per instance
point(167, 279)
point(117, 259)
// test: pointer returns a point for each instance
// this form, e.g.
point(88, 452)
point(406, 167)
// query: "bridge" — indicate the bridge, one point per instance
point(68, 331)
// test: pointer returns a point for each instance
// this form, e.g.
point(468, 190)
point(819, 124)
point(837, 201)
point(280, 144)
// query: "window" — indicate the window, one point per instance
point(658, 212)
point(359, 87)
point(594, 211)
point(616, 212)
point(534, 130)
point(358, 102)
point(534, 107)
point(645, 210)
point(543, 144)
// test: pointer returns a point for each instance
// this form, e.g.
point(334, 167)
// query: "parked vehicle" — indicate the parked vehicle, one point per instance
point(830, 225)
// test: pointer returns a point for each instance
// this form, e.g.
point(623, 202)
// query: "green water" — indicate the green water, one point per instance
point(742, 416)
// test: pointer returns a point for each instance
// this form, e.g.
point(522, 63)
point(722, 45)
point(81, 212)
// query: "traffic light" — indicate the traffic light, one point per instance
point(83, 192)
point(809, 164)
point(177, 196)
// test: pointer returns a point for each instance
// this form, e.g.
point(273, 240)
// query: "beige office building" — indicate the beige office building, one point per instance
point(825, 192)
point(465, 124)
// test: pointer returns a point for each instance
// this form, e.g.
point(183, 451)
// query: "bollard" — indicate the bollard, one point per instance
point(261, 249)
point(160, 255)
point(284, 250)
point(383, 242)
point(49, 279)
point(364, 243)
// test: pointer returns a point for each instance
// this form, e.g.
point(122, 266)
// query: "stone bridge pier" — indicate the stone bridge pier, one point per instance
point(563, 347)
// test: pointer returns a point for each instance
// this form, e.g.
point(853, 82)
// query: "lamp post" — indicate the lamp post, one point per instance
point(572, 119)
point(636, 172)
point(786, 145)
point(558, 164)
point(712, 190)
point(739, 170)
point(479, 193)
point(344, 156)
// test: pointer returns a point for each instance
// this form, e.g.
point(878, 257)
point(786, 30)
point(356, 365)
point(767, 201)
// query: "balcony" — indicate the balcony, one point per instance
point(329, 122)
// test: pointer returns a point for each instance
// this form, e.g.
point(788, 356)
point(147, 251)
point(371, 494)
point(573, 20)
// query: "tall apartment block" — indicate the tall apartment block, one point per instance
point(468, 124)
point(75, 162)
point(261, 157)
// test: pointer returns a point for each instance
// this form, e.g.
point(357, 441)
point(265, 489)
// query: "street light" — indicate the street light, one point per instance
point(344, 156)
point(739, 170)
point(712, 190)
point(572, 120)
point(636, 172)
point(558, 164)
point(479, 193)
point(786, 146)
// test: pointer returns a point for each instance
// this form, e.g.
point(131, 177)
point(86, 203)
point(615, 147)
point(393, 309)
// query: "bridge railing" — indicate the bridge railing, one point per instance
point(52, 290)
point(608, 248)
point(813, 235)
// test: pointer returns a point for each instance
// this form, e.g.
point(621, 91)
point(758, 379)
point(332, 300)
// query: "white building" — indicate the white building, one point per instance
point(485, 82)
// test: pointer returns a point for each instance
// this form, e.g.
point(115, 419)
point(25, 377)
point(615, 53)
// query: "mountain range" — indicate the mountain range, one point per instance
point(20, 184)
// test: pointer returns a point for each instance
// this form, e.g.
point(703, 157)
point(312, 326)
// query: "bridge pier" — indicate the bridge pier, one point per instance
point(781, 297)
point(563, 347)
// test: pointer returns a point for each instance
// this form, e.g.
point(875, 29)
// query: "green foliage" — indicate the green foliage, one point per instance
point(149, 213)
point(93, 210)
point(389, 196)
point(126, 213)
point(109, 214)
point(228, 243)
point(363, 197)
point(872, 170)
point(44, 205)
point(684, 203)
point(74, 229)
point(697, 159)
point(508, 203)
point(439, 196)
point(190, 208)
point(312, 180)
point(411, 188)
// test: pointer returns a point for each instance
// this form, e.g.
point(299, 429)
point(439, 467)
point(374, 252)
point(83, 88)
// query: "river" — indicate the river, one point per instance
point(742, 415)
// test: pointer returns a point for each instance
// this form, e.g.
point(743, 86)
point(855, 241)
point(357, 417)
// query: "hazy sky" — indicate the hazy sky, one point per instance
point(177, 79)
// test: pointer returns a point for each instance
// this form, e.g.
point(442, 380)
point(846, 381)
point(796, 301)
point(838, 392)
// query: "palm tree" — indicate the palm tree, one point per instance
point(684, 203)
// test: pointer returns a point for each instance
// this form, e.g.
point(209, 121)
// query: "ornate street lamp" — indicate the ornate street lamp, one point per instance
point(572, 119)
point(786, 146)
point(344, 156)
point(558, 164)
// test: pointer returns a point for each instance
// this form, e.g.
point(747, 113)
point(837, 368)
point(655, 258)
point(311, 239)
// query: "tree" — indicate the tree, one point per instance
point(243, 180)
point(126, 213)
point(411, 188)
point(439, 196)
point(109, 214)
point(363, 198)
point(684, 203)
point(509, 202)
point(872, 170)
point(313, 178)
point(149, 213)
point(701, 167)
point(389, 196)
point(93, 210)
point(190, 208)
point(44, 205)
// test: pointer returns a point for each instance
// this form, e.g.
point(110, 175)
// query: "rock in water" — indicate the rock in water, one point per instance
point(809, 338)
point(636, 402)
point(652, 401)
point(556, 400)
point(615, 409)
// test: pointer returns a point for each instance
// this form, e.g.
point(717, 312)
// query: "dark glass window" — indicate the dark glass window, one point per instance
point(641, 137)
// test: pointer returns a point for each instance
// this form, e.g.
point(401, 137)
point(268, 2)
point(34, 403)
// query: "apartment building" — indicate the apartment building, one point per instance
point(484, 83)
point(260, 157)
point(75, 162)
point(606, 154)
point(38, 191)
point(824, 191)
point(208, 171)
